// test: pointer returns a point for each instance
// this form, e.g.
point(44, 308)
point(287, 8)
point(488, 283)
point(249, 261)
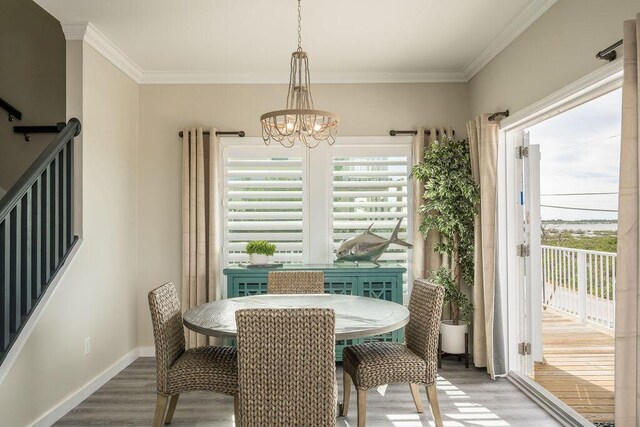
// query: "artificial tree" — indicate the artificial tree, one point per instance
point(451, 197)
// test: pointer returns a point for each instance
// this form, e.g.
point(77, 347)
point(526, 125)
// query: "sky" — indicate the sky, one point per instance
point(580, 153)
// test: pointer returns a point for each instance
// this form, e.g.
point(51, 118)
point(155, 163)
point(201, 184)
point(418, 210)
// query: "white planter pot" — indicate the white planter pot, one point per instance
point(258, 259)
point(453, 336)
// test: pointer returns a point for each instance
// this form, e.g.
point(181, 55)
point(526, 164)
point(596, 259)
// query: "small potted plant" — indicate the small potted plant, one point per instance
point(259, 251)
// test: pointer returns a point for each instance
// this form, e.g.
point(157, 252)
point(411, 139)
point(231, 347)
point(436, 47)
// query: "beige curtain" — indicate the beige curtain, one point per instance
point(418, 263)
point(483, 144)
point(200, 252)
point(424, 259)
point(627, 372)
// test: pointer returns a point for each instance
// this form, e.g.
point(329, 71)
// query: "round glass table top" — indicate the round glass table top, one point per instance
point(356, 317)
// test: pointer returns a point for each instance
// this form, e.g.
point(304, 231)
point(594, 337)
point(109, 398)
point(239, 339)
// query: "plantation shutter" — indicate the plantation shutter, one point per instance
point(263, 196)
point(371, 190)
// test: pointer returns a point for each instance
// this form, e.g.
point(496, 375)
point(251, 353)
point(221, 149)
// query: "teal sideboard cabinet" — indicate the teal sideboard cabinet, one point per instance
point(346, 279)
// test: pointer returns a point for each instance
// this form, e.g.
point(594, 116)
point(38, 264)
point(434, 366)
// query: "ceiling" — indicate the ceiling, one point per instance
point(249, 41)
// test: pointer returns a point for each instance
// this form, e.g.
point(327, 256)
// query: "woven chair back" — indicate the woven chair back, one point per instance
point(286, 367)
point(168, 330)
point(295, 282)
point(423, 329)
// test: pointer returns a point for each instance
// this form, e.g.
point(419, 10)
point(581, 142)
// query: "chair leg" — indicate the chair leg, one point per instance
point(161, 407)
point(173, 401)
point(440, 351)
point(432, 396)
point(346, 393)
point(362, 407)
point(236, 410)
point(415, 393)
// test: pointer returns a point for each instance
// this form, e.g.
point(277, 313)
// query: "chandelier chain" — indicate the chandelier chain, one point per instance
point(299, 26)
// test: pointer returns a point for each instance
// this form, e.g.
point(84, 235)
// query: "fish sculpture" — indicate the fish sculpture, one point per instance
point(368, 246)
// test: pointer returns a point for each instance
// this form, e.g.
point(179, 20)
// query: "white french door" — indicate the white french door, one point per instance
point(529, 253)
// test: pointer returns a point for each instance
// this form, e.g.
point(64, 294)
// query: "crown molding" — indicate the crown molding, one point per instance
point(82, 30)
point(74, 30)
point(523, 20)
point(160, 77)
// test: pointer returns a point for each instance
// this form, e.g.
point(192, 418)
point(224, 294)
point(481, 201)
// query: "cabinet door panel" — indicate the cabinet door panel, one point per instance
point(249, 285)
point(386, 288)
point(340, 285)
point(381, 287)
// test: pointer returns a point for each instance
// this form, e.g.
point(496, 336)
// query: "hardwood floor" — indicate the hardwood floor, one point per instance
point(579, 366)
point(468, 397)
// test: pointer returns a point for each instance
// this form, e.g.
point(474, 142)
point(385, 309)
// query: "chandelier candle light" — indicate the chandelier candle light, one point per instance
point(299, 121)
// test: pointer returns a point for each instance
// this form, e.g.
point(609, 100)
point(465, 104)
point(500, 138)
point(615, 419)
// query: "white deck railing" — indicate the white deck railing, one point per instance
point(580, 283)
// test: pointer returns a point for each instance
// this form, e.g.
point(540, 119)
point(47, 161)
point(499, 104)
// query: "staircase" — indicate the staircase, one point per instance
point(36, 233)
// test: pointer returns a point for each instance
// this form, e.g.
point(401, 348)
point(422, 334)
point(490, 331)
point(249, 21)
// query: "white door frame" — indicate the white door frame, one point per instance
point(601, 81)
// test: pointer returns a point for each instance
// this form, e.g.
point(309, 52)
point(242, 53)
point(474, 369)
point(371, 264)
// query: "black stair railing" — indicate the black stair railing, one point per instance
point(36, 232)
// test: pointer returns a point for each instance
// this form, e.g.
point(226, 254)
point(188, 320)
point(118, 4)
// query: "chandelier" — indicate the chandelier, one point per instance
point(299, 120)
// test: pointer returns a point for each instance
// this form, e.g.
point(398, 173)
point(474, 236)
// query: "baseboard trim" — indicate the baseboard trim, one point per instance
point(559, 410)
point(147, 351)
point(85, 391)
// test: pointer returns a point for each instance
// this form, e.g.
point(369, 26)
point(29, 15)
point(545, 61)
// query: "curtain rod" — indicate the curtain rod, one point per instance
point(238, 133)
point(609, 53)
point(415, 132)
point(497, 114)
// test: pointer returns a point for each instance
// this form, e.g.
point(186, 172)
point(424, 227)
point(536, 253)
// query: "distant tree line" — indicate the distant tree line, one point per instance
point(603, 241)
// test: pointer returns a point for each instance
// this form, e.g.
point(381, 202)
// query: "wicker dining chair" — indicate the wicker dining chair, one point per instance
point(295, 282)
point(179, 370)
point(286, 367)
point(374, 364)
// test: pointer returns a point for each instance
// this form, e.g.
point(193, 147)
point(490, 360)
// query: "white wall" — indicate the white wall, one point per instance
point(97, 297)
point(555, 51)
point(365, 109)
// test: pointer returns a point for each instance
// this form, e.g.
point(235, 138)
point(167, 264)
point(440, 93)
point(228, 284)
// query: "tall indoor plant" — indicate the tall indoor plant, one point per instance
point(450, 203)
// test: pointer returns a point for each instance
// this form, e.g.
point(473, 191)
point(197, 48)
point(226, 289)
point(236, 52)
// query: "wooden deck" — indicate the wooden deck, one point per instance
point(578, 365)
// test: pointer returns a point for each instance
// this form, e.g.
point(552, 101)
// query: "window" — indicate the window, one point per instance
point(263, 200)
point(307, 201)
point(371, 191)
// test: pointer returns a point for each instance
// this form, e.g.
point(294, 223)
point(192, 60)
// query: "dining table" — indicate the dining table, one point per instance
point(356, 316)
